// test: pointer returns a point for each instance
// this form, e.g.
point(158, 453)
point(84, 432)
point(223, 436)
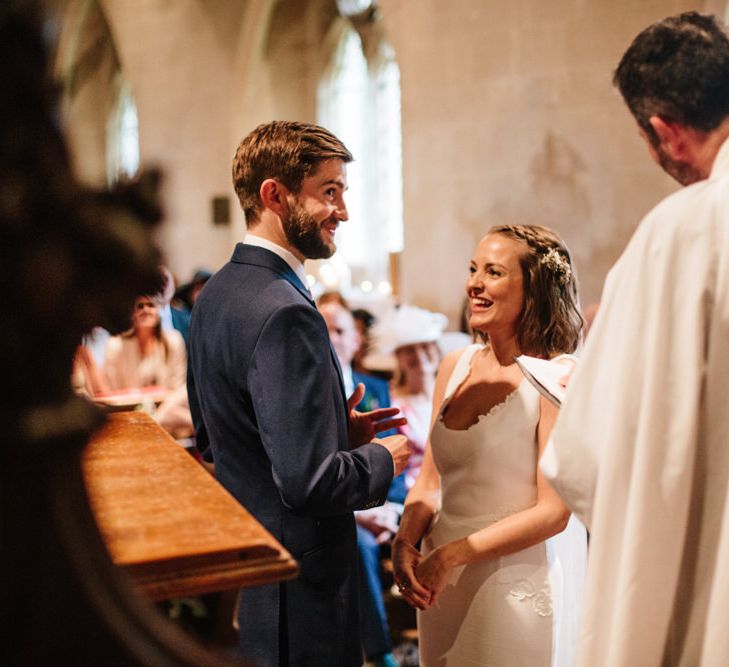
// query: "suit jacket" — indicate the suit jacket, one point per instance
point(268, 401)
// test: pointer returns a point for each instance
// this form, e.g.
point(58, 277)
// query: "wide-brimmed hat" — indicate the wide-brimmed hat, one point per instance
point(405, 325)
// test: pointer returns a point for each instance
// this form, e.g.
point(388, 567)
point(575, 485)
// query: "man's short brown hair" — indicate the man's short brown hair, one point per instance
point(285, 150)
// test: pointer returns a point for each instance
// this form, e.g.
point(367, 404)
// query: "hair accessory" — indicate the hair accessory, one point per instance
point(555, 262)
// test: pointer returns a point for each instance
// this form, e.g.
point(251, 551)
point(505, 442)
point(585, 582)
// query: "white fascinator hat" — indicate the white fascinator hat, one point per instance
point(405, 325)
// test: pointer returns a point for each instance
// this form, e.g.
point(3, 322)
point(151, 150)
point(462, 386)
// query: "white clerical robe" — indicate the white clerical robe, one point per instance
point(640, 451)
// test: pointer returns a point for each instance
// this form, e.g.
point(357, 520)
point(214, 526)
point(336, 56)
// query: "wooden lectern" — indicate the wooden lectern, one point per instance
point(165, 519)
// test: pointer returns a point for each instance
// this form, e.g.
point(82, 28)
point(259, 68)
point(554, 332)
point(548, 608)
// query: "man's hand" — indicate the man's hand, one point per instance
point(399, 449)
point(363, 426)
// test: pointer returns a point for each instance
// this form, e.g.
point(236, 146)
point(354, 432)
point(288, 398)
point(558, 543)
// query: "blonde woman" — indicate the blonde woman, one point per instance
point(145, 355)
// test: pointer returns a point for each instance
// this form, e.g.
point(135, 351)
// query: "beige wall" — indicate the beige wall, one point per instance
point(178, 58)
point(88, 64)
point(509, 114)
point(277, 66)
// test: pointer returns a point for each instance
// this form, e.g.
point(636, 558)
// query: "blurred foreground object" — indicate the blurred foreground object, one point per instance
point(72, 258)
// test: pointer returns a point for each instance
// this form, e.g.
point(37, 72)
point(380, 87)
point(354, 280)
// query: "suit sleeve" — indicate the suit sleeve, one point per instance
point(202, 442)
point(298, 406)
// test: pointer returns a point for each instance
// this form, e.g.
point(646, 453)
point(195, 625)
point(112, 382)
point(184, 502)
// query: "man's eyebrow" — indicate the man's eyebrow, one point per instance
point(335, 181)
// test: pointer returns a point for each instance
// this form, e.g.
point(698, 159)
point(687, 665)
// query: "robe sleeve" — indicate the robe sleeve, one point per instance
point(625, 444)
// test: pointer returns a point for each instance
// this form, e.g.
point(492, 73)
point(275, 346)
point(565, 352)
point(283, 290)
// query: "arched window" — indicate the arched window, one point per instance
point(388, 129)
point(122, 136)
point(359, 100)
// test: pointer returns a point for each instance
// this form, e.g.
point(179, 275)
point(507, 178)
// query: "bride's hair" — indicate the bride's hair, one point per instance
point(550, 323)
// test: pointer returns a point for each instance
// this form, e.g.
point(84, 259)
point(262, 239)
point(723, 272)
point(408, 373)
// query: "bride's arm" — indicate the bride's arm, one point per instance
point(421, 504)
point(518, 531)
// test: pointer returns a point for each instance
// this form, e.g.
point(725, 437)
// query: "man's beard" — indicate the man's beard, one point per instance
point(305, 233)
point(682, 172)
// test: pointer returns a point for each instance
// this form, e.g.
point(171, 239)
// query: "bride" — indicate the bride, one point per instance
point(493, 583)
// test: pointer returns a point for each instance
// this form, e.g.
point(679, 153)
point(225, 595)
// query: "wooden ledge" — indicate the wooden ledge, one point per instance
point(167, 522)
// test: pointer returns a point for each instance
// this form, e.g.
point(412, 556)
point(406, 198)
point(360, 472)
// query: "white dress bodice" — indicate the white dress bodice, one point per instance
point(507, 611)
point(488, 471)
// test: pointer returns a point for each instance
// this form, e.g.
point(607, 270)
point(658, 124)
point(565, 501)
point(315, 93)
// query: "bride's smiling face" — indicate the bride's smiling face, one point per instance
point(495, 286)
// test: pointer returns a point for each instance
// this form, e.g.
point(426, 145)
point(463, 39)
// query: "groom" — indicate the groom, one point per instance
point(269, 404)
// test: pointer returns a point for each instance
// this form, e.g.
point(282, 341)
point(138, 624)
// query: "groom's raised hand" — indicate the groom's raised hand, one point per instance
point(364, 426)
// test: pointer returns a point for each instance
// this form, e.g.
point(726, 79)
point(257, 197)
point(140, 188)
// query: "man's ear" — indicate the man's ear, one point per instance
point(273, 195)
point(671, 137)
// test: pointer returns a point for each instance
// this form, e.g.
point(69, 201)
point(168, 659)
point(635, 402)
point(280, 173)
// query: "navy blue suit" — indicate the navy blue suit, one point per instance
point(269, 406)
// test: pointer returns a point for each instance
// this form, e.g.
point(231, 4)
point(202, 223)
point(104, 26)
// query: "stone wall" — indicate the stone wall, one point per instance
point(509, 115)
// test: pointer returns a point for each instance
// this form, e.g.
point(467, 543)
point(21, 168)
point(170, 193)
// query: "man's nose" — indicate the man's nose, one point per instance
point(341, 211)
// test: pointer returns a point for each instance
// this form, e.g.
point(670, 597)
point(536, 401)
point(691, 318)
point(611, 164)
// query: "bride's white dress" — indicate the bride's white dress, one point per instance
point(517, 610)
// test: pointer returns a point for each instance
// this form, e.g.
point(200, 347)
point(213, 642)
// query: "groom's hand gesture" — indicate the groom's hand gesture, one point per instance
point(364, 426)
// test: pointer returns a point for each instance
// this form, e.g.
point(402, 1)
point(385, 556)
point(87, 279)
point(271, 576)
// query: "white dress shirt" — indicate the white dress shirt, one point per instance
point(285, 255)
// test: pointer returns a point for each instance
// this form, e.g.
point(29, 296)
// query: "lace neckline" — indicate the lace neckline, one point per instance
point(492, 411)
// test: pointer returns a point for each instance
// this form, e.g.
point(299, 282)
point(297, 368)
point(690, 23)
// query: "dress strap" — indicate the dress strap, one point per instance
point(460, 370)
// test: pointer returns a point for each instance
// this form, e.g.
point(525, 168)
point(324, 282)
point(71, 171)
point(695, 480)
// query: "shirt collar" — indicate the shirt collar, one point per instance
point(348, 380)
point(296, 266)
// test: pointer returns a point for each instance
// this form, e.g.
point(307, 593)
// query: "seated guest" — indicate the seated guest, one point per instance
point(145, 355)
point(363, 320)
point(346, 340)
point(378, 524)
point(173, 415)
point(186, 295)
point(172, 316)
point(86, 377)
point(332, 297)
point(407, 339)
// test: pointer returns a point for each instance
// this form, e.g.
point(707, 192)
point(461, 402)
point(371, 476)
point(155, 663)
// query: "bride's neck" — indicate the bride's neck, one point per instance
point(504, 349)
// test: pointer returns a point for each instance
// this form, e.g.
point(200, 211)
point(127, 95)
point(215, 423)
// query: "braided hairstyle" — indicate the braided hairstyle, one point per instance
point(550, 323)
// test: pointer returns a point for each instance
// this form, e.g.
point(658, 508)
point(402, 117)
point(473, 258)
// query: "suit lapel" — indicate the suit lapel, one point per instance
point(249, 254)
point(335, 360)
